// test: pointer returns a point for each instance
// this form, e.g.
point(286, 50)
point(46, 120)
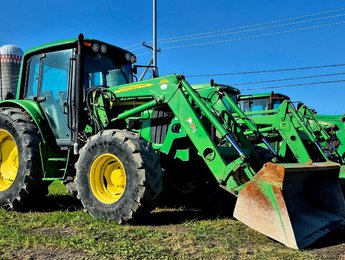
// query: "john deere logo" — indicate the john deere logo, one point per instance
point(163, 81)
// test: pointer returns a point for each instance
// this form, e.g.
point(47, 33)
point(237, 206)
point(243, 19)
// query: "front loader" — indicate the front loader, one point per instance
point(325, 131)
point(79, 117)
point(330, 129)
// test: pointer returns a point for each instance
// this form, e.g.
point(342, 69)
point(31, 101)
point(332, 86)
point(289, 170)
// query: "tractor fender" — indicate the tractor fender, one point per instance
point(35, 112)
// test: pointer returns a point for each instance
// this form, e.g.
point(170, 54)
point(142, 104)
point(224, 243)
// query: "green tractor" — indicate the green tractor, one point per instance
point(79, 117)
point(327, 131)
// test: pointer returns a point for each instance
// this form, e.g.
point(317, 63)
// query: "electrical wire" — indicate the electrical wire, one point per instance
point(254, 25)
point(286, 79)
point(266, 71)
point(143, 53)
point(298, 84)
point(162, 40)
point(133, 45)
point(248, 37)
point(251, 30)
point(136, 49)
point(254, 36)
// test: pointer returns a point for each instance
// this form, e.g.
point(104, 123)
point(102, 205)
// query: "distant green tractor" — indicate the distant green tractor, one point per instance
point(79, 117)
point(328, 131)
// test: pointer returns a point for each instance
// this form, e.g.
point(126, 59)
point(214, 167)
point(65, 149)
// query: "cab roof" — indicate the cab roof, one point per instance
point(263, 95)
point(71, 42)
point(232, 90)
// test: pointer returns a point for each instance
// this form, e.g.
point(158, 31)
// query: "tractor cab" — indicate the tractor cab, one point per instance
point(259, 102)
point(58, 76)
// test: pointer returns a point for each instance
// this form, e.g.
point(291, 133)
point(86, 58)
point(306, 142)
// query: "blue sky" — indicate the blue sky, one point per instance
point(316, 38)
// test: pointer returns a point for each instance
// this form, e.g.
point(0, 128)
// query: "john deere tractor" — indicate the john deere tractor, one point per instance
point(79, 117)
point(326, 131)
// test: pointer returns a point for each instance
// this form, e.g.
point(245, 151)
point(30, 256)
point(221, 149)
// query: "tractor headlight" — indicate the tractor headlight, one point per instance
point(133, 59)
point(104, 48)
point(95, 47)
point(130, 58)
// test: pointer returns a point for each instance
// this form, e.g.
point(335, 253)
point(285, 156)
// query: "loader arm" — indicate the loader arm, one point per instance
point(289, 128)
point(180, 97)
point(317, 130)
point(310, 121)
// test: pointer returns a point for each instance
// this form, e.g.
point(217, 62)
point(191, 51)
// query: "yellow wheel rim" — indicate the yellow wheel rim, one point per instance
point(107, 178)
point(9, 160)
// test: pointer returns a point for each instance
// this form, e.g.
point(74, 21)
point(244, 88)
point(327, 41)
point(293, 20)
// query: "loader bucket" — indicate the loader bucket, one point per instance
point(295, 204)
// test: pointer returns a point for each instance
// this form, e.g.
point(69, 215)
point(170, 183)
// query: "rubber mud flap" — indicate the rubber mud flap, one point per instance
point(295, 204)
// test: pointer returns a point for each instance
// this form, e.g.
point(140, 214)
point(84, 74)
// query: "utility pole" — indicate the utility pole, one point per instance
point(154, 42)
point(153, 61)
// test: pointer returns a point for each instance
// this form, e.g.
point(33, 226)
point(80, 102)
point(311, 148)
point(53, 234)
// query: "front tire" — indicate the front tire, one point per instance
point(20, 164)
point(118, 176)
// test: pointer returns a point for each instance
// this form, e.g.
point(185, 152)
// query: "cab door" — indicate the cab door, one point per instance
point(48, 80)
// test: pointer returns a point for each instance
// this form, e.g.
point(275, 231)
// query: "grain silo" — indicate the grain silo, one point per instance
point(10, 59)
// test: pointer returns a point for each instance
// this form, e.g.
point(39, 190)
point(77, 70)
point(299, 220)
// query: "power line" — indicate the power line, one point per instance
point(250, 30)
point(266, 71)
point(287, 79)
point(143, 53)
point(132, 45)
point(137, 48)
point(243, 27)
point(257, 24)
point(254, 36)
point(298, 84)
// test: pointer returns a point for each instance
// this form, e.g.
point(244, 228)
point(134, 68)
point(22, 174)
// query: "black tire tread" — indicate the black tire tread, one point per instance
point(148, 168)
point(31, 187)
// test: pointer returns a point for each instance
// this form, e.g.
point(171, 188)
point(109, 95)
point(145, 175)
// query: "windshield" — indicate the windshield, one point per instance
point(253, 105)
point(103, 70)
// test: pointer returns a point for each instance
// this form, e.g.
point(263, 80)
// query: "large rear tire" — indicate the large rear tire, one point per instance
point(20, 163)
point(118, 176)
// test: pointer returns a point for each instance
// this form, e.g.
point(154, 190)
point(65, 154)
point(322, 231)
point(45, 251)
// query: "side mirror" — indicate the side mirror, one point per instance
point(40, 99)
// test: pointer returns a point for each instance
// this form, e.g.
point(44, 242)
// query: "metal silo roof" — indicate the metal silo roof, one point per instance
point(11, 50)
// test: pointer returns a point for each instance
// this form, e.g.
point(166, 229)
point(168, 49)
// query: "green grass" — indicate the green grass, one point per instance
point(59, 230)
